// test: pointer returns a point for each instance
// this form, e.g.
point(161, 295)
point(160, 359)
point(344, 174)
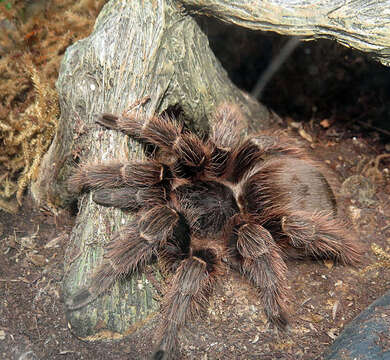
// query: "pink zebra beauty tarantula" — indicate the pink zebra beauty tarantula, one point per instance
point(203, 205)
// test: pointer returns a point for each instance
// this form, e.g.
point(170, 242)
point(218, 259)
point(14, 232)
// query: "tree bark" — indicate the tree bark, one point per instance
point(137, 49)
point(360, 24)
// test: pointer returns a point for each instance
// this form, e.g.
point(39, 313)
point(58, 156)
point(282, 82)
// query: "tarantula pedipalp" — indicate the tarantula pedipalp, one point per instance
point(208, 204)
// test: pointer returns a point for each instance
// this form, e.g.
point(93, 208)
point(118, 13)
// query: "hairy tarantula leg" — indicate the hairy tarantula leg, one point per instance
point(124, 254)
point(131, 198)
point(187, 296)
point(320, 235)
point(226, 126)
point(110, 121)
point(161, 131)
point(258, 148)
point(132, 247)
point(116, 174)
point(263, 265)
point(164, 132)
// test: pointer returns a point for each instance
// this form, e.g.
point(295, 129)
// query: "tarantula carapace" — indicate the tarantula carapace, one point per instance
point(202, 205)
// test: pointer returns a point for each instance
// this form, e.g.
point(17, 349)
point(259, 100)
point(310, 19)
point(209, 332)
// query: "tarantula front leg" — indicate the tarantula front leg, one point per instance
point(262, 263)
point(186, 297)
point(320, 235)
point(164, 132)
point(132, 247)
point(226, 125)
point(225, 128)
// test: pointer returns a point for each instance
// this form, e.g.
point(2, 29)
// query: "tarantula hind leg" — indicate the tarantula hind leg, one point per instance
point(132, 247)
point(322, 236)
point(262, 264)
point(187, 296)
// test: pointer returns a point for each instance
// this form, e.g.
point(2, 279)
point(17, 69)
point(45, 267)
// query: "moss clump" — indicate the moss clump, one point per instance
point(33, 38)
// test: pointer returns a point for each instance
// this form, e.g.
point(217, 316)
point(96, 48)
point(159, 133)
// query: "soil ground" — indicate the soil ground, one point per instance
point(326, 296)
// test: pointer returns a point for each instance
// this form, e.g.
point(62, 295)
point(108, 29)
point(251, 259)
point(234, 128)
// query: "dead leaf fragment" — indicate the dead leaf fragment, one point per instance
point(329, 263)
point(317, 318)
point(305, 135)
point(27, 242)
point(312, 318)
point(325, 123)
point(333, 333)
point(56, 241)
point(335, 308)
point(36, 259)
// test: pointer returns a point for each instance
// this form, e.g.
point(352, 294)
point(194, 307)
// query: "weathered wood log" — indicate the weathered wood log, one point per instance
point(360, 24)
point(137, 49)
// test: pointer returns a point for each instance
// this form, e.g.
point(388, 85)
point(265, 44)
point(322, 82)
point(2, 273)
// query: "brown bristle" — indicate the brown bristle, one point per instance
point(278, 144)
point(186, 298)
point(226, 126)
point(322, 236)
point(263, 265)
point(109, 121)
point(158, 223)
point(124, 254)
point(261, 147)
point(273, 189)
point(91, 175)
point(144, 174)
point(124, 198)
point(131, 198)
point(243, 159)
point(218, 163)
point(191, 150)
point(116, 174)
point(162, 131)
point(132, 124)
point(128, 250)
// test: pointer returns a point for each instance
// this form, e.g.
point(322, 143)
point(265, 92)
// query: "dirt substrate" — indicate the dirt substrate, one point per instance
point(326, 296)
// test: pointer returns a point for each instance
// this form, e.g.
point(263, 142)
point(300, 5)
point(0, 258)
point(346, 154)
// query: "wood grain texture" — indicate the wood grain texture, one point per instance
point(360, 24)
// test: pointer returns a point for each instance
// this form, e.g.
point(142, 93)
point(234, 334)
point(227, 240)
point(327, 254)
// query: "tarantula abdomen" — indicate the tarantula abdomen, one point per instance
point(284, 184)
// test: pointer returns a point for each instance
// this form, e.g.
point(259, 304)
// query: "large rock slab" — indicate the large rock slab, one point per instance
point(367, 337)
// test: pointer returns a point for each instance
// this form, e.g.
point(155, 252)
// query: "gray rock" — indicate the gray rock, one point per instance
point(367, 337)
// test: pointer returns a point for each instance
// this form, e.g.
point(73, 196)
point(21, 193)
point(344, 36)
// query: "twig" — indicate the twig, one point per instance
point(36, 325)
point(13, 280)
point(387, 227)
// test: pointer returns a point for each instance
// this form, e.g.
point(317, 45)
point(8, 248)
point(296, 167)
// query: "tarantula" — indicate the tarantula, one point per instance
point(202, 205)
